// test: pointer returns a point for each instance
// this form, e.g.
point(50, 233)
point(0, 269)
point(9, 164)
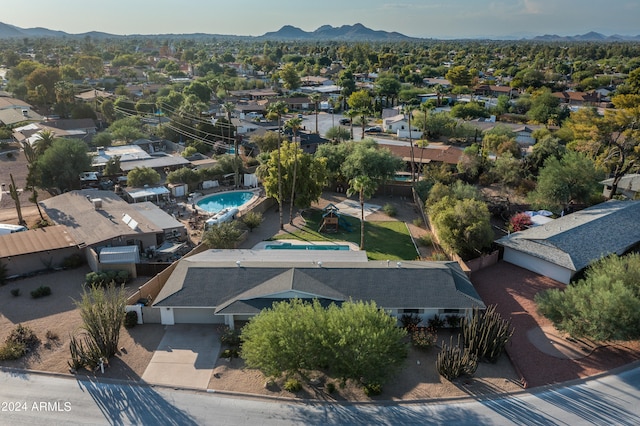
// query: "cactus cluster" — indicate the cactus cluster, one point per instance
point(453, 361)
point(486, 333)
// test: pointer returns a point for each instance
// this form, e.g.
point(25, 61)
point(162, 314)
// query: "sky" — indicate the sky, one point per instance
point(442, 19)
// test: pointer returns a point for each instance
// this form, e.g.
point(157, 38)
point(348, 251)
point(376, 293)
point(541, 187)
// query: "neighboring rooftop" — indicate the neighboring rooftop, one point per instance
point(36, 241)
point(576, 240)
point(91, 222)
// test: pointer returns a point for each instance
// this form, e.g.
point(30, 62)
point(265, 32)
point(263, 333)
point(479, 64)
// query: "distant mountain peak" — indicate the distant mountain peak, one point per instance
point(327, 32)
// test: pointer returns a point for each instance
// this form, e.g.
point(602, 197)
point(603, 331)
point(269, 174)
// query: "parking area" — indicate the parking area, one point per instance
point(185, 357)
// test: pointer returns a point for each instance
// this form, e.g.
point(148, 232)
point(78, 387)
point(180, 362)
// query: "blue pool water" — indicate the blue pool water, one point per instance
point(216, 202)
point(289, 246)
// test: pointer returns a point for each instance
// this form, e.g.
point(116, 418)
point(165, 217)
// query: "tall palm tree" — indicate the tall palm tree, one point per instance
point(294, 124)
point(351, 114)
point(409, 111)
point(365, 187)
point(228, 108)
point(315, 98)
point(278, 109)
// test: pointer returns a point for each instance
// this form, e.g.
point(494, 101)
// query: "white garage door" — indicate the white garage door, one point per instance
point(196, 316)
point(536, 265)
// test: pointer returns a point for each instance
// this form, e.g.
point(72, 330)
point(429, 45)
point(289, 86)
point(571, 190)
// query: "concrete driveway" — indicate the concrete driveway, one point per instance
point(185, 357)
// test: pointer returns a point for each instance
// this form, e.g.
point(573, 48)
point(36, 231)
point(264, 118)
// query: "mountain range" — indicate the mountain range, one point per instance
point(357, 32)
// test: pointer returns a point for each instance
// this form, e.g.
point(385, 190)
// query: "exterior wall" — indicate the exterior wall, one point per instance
point(35, 262)
point(538, 266)
point(166, 316)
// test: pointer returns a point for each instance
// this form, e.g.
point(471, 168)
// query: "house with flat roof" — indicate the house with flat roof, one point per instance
point(36, 250)
point(96, 219)
point(225, 286)
point(567, 245)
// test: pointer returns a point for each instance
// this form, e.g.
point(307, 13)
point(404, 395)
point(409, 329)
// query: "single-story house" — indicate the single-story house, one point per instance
point(569, 244)
point(629, 186)
point(36, 249)
point(14, 111)
point(224, 286)
point(97, 219)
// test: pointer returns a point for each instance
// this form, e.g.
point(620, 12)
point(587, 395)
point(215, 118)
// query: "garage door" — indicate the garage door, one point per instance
point(196, 316)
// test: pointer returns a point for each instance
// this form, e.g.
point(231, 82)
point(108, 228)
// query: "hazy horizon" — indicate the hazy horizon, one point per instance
point(414, 18)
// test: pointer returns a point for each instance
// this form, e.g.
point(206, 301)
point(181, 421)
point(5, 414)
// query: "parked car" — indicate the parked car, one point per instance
point(345, 121)
point(374, 129)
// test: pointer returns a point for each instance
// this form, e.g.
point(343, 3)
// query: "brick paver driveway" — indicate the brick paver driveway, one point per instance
point(512, 289)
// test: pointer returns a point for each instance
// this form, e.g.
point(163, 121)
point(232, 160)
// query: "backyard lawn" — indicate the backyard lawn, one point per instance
point(387, 240)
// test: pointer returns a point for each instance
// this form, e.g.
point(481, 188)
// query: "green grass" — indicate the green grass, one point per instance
point(382, 240)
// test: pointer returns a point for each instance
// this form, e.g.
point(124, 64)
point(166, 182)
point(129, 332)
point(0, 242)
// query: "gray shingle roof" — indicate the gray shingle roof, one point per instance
point(577, 239)
point(414, 285)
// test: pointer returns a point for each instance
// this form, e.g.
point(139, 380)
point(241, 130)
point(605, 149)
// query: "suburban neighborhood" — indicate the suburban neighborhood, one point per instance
point(379, 221)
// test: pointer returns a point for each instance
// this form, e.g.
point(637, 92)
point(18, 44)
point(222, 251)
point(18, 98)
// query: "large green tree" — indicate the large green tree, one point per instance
point(573, 178)
point(224, 235)
point(361, 101)
point(463, 225)
point(310, 174)
point(605, 305)
point(141, 176)
point(358, 340)
point(60, 166)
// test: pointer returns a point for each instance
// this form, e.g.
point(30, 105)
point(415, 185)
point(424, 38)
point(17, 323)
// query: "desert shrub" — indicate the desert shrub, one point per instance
point(410, 321)
point(390, 210)
point(423, 338)
point(252, 220)
point(331, 387)
point(11, 350)
point(41, 292)
point(105, 278)
point(372, 389)
point(435, 323)
point(231, 338)
point(15, 292)
point(131, 319)
point(417, 222)
point(229, 353)
point(292, 385)
point(9, 155)
point(439, 257)
point(426, 240)
point(51, 335)
point(73, 261)
point(21, 341)
point(453, 321)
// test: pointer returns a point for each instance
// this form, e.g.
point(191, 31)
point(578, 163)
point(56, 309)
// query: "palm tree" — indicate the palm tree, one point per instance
point(351, 114)
point(278, 109)
point(315, 98)
point(44, 142)
point(364, 186)
point(294, 124)
point(408, 109)
point(228, 108)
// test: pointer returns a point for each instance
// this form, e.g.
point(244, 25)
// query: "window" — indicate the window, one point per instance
point(451, 311)
point(411, 311)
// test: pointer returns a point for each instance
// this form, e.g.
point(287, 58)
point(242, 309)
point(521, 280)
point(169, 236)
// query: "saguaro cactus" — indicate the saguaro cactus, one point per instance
point(15, 196)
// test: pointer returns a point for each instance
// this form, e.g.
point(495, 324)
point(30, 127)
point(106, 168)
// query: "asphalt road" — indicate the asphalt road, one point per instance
point(33, 399)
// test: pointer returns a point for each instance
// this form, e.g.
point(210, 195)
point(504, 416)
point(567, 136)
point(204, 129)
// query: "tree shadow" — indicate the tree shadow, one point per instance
point(133, 404)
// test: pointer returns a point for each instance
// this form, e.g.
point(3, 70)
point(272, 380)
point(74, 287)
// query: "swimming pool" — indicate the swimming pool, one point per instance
point(225, 200)
point(289, 246)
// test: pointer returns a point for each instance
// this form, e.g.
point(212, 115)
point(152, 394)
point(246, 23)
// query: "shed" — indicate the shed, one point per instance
point(123, 254)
